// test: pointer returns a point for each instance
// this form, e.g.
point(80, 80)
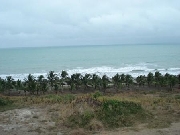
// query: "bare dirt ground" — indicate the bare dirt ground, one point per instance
point(27, 121)
point(174, 129)
point(38, 121)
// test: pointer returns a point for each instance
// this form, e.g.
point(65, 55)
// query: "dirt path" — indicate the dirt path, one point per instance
point(37, 121)
point(173, 130)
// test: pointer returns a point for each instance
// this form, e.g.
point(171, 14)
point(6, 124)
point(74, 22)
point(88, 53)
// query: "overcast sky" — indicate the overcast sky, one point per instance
point(88, 22)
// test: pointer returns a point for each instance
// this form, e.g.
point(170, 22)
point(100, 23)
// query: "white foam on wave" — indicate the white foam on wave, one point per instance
point(132, 70)
point(109, 71)
point(104, 70)
point(176, 69)
point(22, 76)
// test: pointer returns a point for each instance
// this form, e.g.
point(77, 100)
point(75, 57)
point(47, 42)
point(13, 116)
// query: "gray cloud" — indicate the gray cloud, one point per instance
point(84, 22)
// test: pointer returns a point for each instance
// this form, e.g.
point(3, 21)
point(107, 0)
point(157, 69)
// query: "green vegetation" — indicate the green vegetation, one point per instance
point(97, 94)
point(80, 120)
point(98, 111)
point(61, 98)
point(78, 83)
point(94, 103)
point(111, 113)
point(114, 113)
point(6, 104)
point(5, 101)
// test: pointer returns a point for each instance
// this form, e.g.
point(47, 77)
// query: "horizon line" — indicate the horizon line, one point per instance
point(75, 45)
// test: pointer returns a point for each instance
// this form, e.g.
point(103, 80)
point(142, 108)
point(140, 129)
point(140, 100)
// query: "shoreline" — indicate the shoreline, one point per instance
point(109, 71)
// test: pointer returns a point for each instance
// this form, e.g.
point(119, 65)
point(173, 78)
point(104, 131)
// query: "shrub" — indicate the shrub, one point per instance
point(5, 101)
point(80, 120)
point(177, 96)
point(95, 125)
point(114, 113)
point(109, 114)
point(68, 98)
point(97, 94)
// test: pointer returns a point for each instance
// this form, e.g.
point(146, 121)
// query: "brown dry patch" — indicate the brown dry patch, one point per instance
point(43, 115)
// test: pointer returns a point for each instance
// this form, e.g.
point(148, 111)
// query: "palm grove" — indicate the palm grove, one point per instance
point(58, 83)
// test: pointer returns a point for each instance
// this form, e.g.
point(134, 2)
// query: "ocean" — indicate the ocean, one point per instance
point(103, 59)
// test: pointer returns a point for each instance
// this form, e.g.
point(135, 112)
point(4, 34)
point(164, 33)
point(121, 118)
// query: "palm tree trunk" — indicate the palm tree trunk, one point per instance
point(25, 92)
point(9, 93)
point(62, 89)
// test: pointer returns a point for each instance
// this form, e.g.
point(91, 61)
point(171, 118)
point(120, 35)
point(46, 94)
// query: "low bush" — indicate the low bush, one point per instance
point(114, 113)
point(97, 94)
point(111, 113)
point(177, 96)
point(5, 101)
point(80, 120)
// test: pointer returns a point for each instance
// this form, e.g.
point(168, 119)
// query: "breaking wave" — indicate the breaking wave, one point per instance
point(104, 70)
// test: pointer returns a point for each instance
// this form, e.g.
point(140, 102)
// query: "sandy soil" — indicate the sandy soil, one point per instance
point(36, 121)
point(174, 129)
point(28, 121)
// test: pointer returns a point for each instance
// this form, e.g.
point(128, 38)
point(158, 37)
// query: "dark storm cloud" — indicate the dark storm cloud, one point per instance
point(83, 22)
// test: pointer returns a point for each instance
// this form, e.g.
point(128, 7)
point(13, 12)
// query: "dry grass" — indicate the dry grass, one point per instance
point(96, 125)
point(77, 132)
point(163, 108)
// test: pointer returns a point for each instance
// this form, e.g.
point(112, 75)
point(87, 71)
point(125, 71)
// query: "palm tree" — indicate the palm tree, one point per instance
point(128, 80)
point(64, 75)
point(44, 85)
point(179, 80)
point(40, 83)
point(86, 79)
point(166, 79)
point(56, 87)
point(9, 84)
point(57, 84)
point(162, 81)
point(71, 82)
point(123, 78)
point(105, 81)
point(173, 80)
point(40, 78)
point(51, 77)
point(24, 86)
point(2, 85)
point(141, 80)
point(138, 80)
point(117, 81)
point(96, 80)
point(157, 78)
point(30, 82)
point(77, 79)
point(150, 79)
point(19, 84)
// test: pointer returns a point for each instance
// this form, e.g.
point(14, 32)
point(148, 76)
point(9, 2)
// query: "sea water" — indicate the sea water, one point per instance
point(110, 60)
